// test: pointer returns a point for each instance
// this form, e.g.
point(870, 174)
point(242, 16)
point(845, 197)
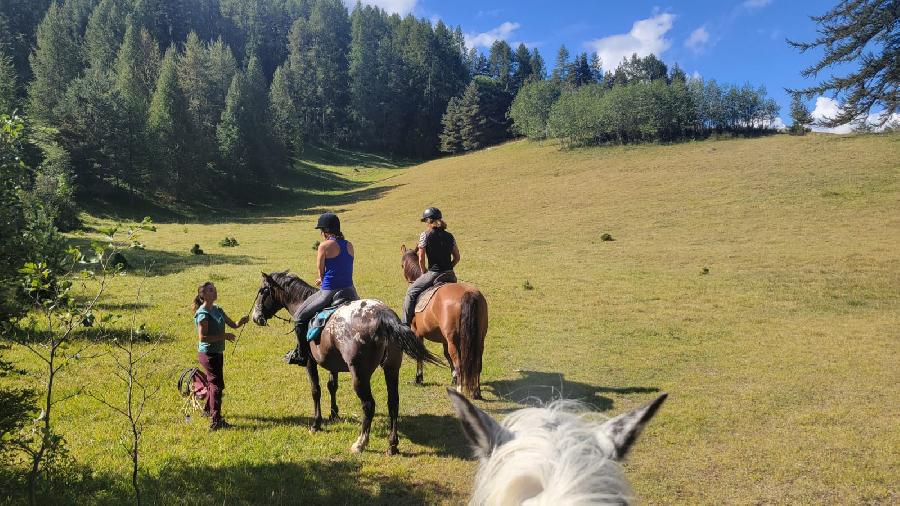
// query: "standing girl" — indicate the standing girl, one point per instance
point(211, 321)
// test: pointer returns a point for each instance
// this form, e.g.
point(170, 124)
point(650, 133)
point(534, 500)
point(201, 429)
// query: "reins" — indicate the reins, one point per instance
point(241, 332)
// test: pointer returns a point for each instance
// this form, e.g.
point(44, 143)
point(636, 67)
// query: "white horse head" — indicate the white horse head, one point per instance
point(551, 456)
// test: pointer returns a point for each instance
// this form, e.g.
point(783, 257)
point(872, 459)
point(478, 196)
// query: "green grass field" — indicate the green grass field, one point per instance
point(781, 361)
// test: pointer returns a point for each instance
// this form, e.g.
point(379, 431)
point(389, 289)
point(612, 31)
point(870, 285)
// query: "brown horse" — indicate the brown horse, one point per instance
point(358, 338)
point(456, 317)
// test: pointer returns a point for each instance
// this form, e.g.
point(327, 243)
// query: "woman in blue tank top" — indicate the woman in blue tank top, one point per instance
point(334, 262)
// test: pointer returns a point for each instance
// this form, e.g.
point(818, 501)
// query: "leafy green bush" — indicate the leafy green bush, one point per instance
point(530, 110)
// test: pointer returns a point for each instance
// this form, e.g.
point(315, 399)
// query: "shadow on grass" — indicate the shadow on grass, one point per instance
point(97, 334)
point(311, 482)
point(147, 262)
point(296, 190)
point(278, 483)
point(440, 433)
point(536, 388)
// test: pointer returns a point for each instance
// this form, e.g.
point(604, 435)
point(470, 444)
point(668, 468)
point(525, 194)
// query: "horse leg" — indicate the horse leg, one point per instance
point(420, 373)
point(362, 386)
point(312, 368)
point(454, 372)
point(392, 380)
point(332, 389)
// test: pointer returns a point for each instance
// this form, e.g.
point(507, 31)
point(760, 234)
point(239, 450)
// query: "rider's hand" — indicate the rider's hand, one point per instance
point(318, 281)
point(244, 319)
point(229, 337)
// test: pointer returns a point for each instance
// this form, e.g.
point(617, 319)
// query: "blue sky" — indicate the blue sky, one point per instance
point(732, 41)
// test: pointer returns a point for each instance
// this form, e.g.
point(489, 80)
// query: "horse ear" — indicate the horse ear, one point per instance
point(482, 431)
point(624, 429)
point(403, 249)
point(264, 275)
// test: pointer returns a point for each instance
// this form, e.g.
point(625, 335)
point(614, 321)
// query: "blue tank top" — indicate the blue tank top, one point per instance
point(338, 270)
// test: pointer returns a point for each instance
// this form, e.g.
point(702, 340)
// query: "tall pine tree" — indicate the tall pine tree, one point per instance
point(54, 62)
point(168, 129)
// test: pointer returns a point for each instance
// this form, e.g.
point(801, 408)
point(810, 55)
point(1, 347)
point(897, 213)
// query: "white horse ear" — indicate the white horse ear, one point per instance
point(624, 429)
point(482, 431)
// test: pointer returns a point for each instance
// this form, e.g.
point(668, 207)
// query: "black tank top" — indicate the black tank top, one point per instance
point(438, 248)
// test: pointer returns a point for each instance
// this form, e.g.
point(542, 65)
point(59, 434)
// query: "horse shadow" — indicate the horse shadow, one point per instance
point(441, 433)
point(538, 388)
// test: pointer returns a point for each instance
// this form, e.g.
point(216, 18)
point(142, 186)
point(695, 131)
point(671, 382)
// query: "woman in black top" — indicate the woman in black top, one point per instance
point(438, 255)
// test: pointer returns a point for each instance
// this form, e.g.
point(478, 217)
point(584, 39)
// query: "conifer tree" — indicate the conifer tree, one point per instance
point(8, 90)
point(168, 128)
point(501, 64)
point(561, 67)
point(800, 115)
point(283, 112)
point(233, 148)
point(523, 70)
point(451, 135)
point(866, 33)
point(105, 30)
point(538, 67)
point(54, 63)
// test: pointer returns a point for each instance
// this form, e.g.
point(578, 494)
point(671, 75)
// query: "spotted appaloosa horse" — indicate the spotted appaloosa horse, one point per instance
point(358, 338)
point(457, 317)
point(551, 456)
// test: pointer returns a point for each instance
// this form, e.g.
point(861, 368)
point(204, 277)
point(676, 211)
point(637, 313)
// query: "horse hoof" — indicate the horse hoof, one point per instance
point(314, 428)
point(355, 449)
point(392, 450)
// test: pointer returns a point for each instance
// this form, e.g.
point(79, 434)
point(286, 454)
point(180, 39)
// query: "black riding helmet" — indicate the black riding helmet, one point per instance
point(432, 213)
point(329, 221)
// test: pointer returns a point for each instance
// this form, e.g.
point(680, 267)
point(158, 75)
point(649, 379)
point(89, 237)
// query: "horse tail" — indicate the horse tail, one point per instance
point(390, 328)
point(470, 341)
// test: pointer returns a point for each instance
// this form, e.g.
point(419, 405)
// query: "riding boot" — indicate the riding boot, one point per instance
point(299, 354)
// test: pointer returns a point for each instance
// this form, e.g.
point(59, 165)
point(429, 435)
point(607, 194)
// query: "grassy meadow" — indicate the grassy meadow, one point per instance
point(755, 280)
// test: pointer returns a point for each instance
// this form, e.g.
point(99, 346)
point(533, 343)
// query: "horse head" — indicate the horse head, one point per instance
point(267, 303)
point(409, 261)
point(551, 455)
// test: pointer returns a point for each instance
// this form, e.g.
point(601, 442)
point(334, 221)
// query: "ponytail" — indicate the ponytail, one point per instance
point(438, 223)
point(198, 299)
point(336, 233)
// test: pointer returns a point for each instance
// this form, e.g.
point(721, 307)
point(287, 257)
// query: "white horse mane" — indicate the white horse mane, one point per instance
point(551, 455)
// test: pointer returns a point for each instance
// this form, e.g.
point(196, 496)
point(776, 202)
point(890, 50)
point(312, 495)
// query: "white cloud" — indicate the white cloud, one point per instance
point(827, 107)
point(646, 36)
point(485, 39)
point(695, 76)
point(401, 7)
point(778, 124)
point(756, 4)
point(697, 40)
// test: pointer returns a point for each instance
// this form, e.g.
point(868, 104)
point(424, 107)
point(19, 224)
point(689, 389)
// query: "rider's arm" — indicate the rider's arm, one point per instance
point(320, 261)
point(423, 260)
point(454, 256)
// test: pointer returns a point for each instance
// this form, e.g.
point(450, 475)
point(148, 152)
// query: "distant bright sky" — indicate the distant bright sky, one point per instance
point(732, 41)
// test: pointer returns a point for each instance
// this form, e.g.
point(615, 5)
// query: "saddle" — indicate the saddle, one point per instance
point(321, 318)
point(425, 297)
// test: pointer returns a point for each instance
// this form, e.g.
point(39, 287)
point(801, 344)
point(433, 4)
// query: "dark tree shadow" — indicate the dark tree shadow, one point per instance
point(148, 262)
point(311, 482)
point(441, 433)
point(298, 189)
point(537, 388)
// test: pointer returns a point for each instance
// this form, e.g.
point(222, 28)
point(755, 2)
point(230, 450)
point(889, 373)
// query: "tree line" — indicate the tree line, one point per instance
point(199, 95)
point(641, 100)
